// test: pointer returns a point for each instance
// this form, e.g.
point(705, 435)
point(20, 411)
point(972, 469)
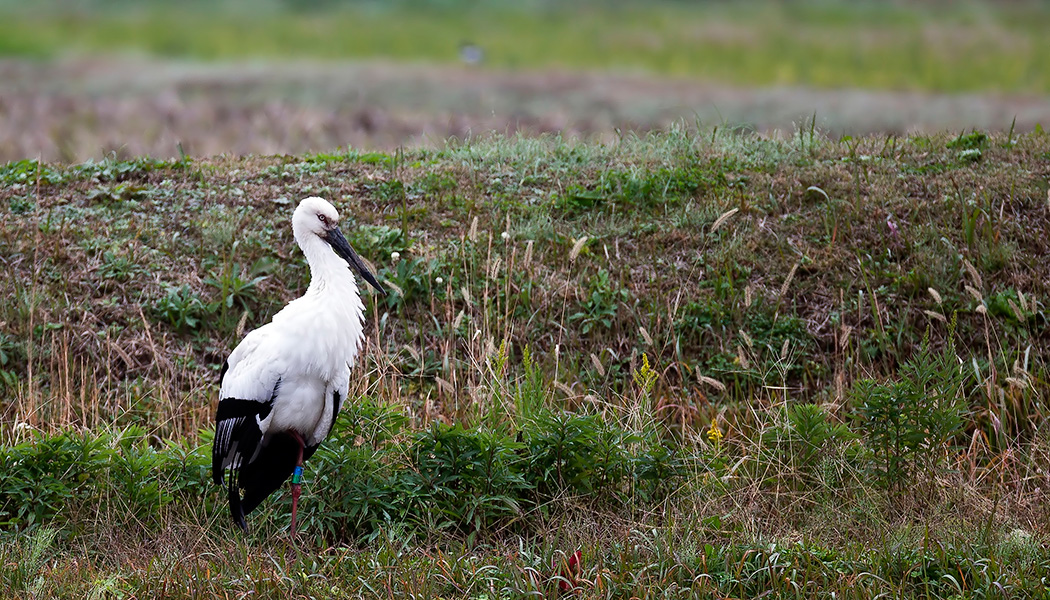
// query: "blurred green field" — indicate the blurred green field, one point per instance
point(826, 44)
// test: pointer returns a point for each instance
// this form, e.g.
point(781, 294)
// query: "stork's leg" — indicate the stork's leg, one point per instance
point(297, 477)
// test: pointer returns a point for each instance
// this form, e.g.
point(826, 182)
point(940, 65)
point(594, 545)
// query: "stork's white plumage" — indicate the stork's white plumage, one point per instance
point(282, 386)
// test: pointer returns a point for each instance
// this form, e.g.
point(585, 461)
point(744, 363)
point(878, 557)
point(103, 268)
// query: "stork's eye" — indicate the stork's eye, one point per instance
point(323, 219)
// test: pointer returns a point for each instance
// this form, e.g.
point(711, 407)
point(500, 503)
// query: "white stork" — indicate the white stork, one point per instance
point(282, 387)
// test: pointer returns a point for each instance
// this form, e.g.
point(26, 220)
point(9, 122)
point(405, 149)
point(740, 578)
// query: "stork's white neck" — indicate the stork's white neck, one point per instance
point(328, 272)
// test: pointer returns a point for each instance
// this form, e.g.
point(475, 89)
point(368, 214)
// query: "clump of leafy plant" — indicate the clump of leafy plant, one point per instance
point(116, 193)
point(643, 189)
point(113, 169)
point(237, 286)
point(908, 424)
point(181, 308)
point(464, 478)
point(29, 171)
point(118, 267)
point(602, 299)
point(804, 438)
point(378, 241)
point(111, 473)
point(411, 280)
point(12, 357)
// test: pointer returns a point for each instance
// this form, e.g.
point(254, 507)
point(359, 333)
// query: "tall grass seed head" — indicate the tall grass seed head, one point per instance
point(935, 295)
point(576, 248)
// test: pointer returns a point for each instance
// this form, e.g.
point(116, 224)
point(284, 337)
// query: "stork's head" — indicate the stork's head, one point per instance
point(315, 217)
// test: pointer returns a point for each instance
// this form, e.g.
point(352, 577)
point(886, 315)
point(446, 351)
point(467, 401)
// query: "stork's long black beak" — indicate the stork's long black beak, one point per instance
point(335, 239)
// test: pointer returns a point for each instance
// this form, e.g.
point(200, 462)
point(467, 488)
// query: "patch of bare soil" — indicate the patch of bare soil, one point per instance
point(77, 108)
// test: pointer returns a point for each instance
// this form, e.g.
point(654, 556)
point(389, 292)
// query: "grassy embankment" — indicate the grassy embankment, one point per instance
point(699, 359)
point(919, 46)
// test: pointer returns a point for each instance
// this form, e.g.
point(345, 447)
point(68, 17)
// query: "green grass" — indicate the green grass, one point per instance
point(969, 47)
point(709, 361)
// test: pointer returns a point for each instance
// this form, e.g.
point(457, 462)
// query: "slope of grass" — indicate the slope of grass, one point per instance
point(716, 364)
point(962, 47)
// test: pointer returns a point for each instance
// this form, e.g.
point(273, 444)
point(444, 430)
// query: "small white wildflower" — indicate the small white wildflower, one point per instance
point(439, 281)
point(505, 235)
point(395, 256)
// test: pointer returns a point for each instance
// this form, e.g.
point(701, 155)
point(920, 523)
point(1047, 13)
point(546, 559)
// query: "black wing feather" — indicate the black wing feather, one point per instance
point(237, 432)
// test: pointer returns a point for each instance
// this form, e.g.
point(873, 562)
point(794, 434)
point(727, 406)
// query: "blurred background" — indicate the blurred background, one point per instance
point(84, 79)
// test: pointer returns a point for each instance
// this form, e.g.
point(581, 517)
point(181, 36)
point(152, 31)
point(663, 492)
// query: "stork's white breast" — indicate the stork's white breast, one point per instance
point(299, 405)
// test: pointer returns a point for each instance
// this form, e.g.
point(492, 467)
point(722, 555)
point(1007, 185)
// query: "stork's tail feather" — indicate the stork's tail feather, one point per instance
point(261, 477)
point(236, 510)
point(270, 469)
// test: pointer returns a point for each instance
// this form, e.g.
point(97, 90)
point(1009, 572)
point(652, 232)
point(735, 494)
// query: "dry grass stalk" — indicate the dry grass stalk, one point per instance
point(527, 260)
point(494, 271)
point(597, 365)
point(1023, 368)
point(568, 391)
point(784, 350)
point(576, 248)
point(241, 324)
point(411, 351)
point(748, 296)
point(1017, 311)
point(645, 335)
point(472, 235)
point(935, 315)
point(445, 386)
point(742, 358)
point(722, 219)
point(973, 273)
point(975, 293)
point(1017, 382)
point(747, 339)
point(935, 295)
point(844, 334)
point(787, 282)
point(711, 381)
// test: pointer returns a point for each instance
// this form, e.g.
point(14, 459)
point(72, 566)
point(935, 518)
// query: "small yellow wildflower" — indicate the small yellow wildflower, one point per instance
point(714, 434)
